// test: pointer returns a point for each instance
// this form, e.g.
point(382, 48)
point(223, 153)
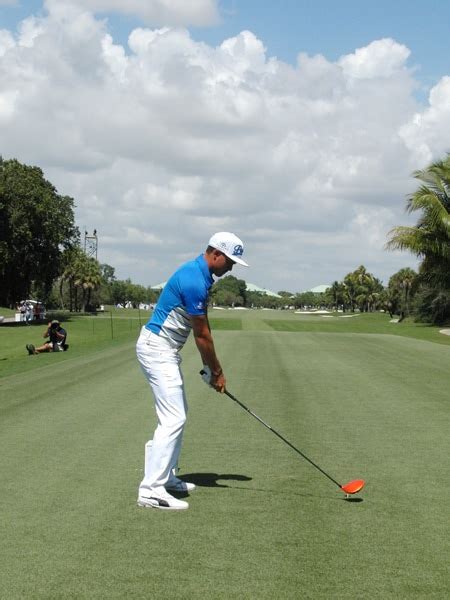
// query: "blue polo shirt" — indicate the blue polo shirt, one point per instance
point(184, 295)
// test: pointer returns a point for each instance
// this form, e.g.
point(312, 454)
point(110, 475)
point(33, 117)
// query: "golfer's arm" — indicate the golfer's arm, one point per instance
point(205, 343)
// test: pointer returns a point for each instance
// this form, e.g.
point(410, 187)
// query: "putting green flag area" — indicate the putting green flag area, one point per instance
point(361, 397)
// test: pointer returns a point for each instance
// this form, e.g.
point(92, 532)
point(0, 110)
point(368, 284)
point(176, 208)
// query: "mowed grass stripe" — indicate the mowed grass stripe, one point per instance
point(267, 524)
point(375, 323)
point(64, 437)
point(370, 406)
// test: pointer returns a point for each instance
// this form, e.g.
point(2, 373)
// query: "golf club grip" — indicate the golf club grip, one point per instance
point(282, 438)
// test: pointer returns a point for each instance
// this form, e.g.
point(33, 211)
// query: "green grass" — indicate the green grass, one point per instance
point(226, 324)
point(288, 321)
point(7, 312)
point(86, 335)
point(378, 323)
point(263, 522)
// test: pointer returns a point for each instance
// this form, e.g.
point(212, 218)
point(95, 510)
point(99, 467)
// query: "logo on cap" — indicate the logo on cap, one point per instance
point(238, 250)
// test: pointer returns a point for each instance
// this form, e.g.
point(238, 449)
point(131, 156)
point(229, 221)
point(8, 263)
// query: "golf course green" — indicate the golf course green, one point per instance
point(362, 397)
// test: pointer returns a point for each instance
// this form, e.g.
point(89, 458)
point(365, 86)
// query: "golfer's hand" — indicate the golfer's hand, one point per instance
point(218, 382)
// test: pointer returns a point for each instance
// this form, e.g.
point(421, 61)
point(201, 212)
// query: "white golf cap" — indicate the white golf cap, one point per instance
point(230, 245)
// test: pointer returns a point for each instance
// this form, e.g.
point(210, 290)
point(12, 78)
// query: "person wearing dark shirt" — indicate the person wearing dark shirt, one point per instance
point(56, 335)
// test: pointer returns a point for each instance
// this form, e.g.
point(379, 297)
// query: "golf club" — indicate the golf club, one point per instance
point(352, 487)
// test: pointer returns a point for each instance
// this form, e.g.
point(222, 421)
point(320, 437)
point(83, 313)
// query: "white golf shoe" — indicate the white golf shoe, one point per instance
point(178, 485)
point(160, 498)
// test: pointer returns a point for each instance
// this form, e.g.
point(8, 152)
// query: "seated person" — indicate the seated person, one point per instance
point(57, 340)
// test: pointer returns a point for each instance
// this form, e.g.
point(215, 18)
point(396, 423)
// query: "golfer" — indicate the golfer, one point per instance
point(181, 307)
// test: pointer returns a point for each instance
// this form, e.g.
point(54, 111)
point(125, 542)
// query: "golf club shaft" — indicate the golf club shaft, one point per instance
point(282, 438)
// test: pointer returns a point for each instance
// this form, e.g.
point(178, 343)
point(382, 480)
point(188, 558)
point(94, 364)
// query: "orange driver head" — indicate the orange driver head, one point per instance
point(353, 487)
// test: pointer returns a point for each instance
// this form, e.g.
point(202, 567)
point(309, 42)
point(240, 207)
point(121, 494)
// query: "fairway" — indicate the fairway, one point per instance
point(263, 523)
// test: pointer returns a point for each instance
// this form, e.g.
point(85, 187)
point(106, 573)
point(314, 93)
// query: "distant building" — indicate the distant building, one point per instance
point(251, 287)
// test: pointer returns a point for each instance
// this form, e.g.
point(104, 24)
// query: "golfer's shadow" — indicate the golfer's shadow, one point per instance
point(212, 479)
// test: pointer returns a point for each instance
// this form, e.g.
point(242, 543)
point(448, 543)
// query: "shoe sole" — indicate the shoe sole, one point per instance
point(150, 505)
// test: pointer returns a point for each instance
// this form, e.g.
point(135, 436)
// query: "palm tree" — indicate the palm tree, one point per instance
point(71, 260)
point(430, 238)
point(337, 293)
point(364, 282)
point(88, 277)
point(402, 285)
point(362, 289)
point(350, 291)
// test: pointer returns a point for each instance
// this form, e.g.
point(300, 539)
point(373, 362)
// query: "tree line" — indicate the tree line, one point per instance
point(41, 256)
point(40, 252)
point(359, 290)
point(429, 240)
point(85, 284)
point(425, 295)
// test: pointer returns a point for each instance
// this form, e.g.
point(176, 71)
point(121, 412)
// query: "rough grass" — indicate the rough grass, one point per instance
point(263, 522)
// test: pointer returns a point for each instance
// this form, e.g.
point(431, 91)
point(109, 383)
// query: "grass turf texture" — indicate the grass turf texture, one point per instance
point(263, 523)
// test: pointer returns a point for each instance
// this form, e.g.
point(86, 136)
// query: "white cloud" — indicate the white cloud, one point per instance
point(6, 41)
point(30, 29)
point(381, 58)
point(170, 140)
point(153, 12)
point(7, 104)
point(423, 133)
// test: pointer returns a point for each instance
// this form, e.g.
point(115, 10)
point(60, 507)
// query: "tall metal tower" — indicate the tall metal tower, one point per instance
point(91, 244)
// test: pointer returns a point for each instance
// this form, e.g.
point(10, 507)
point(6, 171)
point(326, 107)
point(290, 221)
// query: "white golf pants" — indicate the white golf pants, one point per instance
point(161, 366)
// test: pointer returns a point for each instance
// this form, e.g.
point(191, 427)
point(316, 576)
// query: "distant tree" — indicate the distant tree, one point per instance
point(402, 286)
point(350, 291)
point(137, 294)
point(108, 273)
point(152, 295)
point(70, 262)
point(387, 302)
point(262, 300)
point(337, 293)
point(430, 238)
point(36, 225)
point(101, 294)
point(224, 297)
point(432, 306)
point(81, 276)
point(308, 300)
point(88, 278)
point(120, 291)
point(362, 290)
point(236, 291)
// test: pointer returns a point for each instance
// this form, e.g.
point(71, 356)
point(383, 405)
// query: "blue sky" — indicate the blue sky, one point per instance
point(168, 137)
point(337, 27)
